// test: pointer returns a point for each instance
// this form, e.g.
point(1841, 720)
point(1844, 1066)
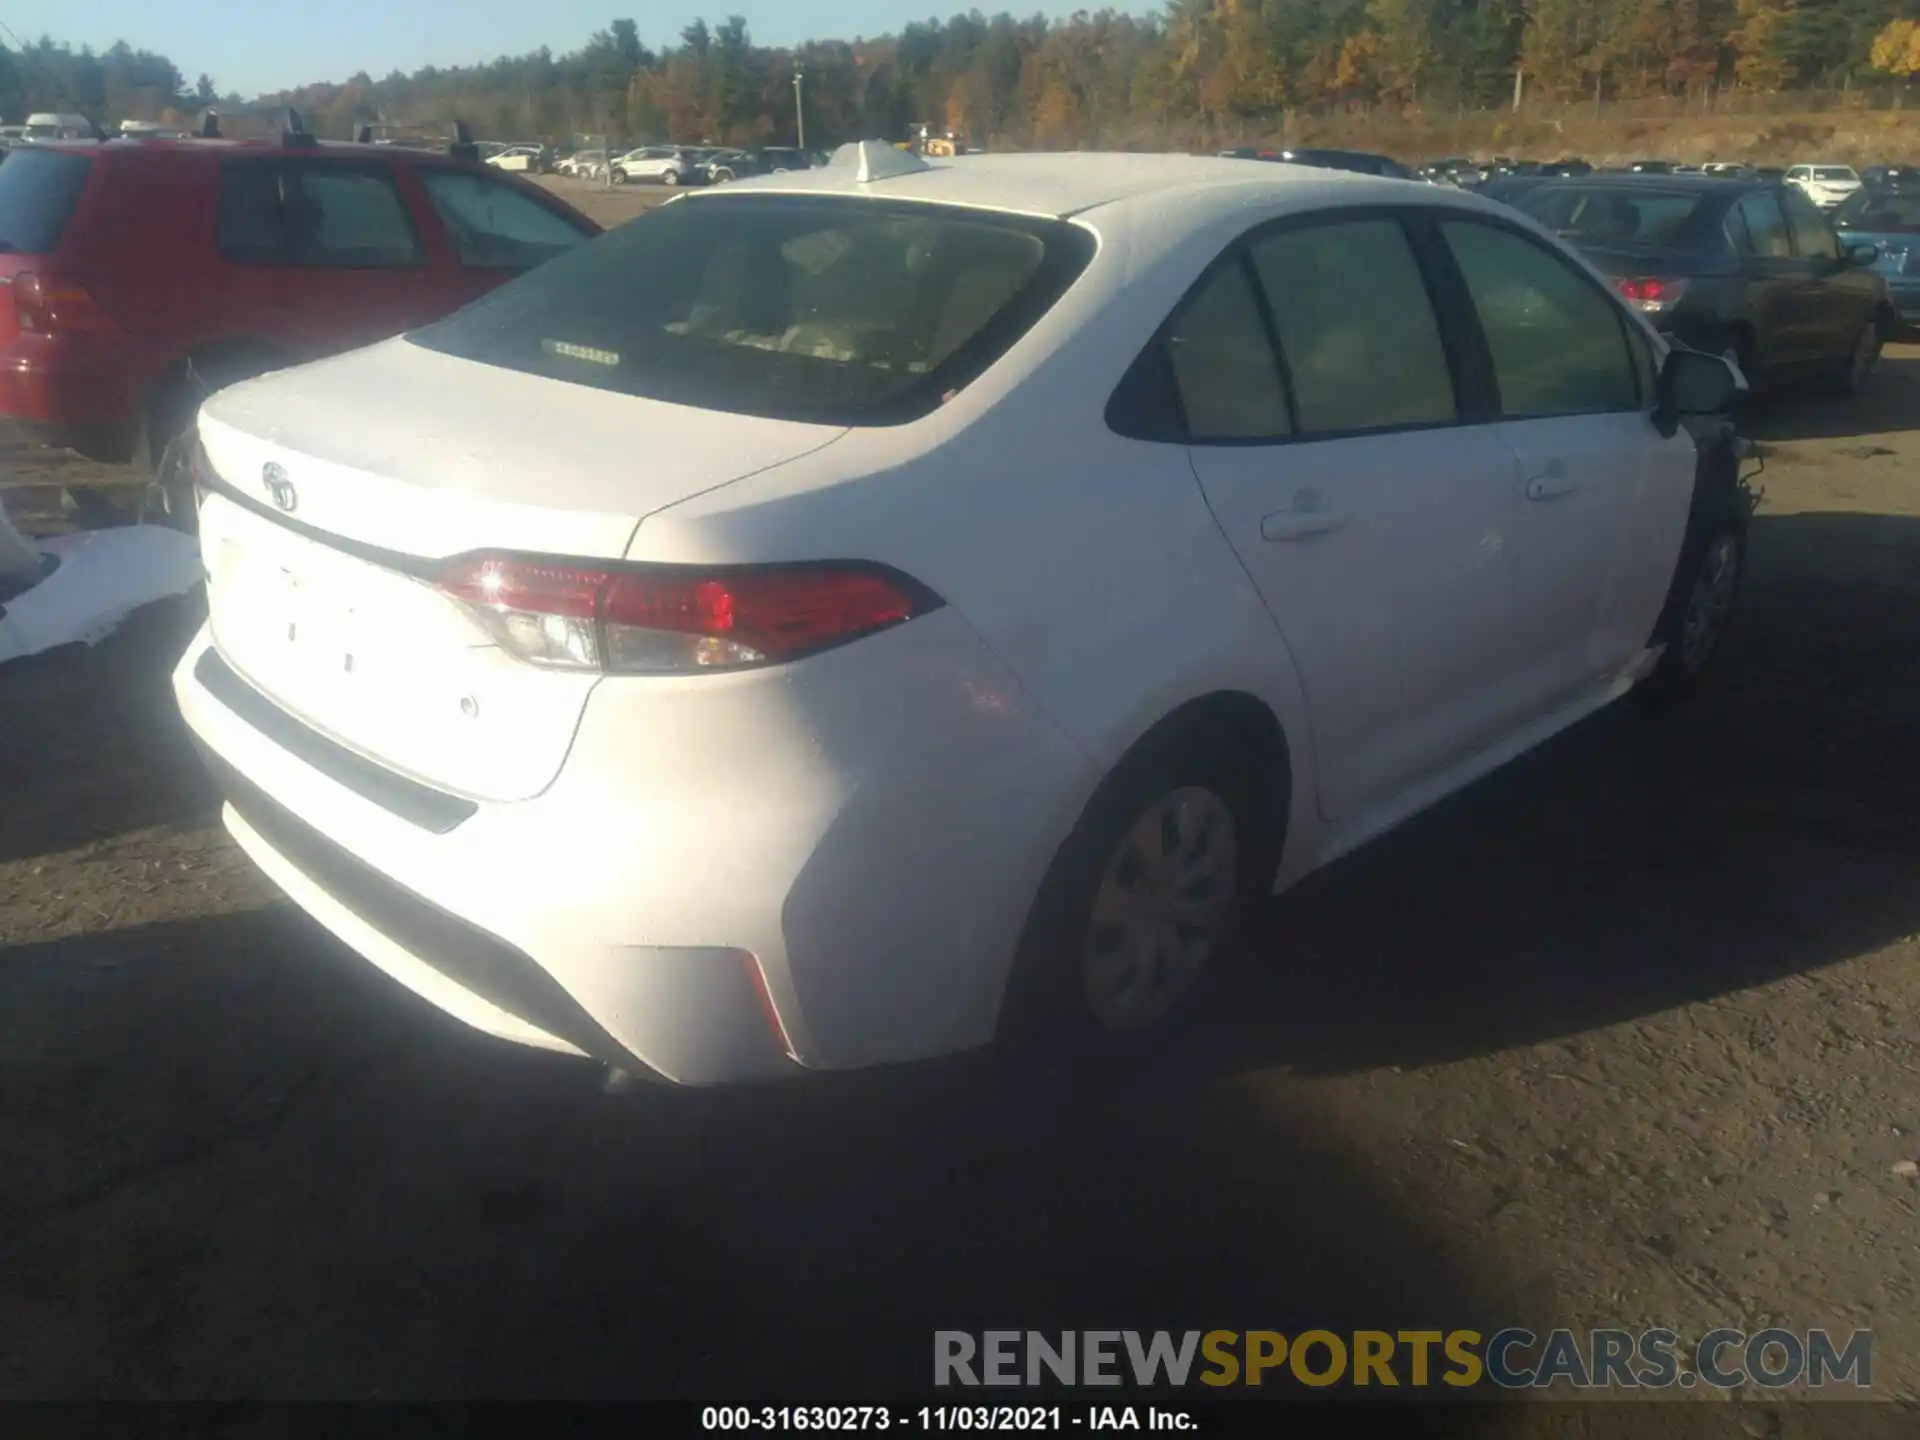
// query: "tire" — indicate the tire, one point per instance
point(1110, 949)
point(670, 179)
point(1857, 369)
point(722, 175)
point(1706, 582)
point(619, 177)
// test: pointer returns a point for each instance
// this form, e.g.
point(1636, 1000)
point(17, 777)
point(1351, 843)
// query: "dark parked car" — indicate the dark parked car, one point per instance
point(1361, 161)
point(1508, 189)
point(776, 158)
point(1650, 167)
point(1890, 177)
point(1730, 266)
point(1772, 174)
point(1888, 219)
point(1566, 168)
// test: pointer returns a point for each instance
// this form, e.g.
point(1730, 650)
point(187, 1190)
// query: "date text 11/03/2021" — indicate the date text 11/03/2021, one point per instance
point(934, 1419)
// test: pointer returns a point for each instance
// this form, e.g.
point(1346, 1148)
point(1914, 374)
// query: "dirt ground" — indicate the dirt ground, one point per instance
point(1624, 1036)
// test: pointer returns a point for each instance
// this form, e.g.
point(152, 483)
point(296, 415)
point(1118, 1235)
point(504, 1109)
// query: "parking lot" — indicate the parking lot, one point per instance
point(1623, 1036)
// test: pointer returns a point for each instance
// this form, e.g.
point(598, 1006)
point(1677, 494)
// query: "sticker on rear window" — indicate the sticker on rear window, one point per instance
point(581, 352)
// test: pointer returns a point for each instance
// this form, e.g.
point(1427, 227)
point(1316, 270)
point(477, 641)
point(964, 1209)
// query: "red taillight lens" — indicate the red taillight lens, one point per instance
point(1649, 293)
point(46, 304)
point(668, 620)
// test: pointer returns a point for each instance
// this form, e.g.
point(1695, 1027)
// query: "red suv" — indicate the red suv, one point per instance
point(136, 276)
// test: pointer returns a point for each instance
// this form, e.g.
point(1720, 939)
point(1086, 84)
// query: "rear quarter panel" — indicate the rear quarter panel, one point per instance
point(1088, 563)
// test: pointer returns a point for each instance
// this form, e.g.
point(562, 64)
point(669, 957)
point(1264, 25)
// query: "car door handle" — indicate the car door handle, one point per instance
point(1550, 487)
point(1299, 525)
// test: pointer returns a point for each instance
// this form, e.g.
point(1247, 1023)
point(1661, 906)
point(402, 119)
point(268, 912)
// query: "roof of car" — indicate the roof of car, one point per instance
point(1058, 185)
point(194, 144)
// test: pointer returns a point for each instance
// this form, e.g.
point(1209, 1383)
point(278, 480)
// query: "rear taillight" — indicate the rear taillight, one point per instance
point(1652, 296)
point(662, 620)
point(46, 304)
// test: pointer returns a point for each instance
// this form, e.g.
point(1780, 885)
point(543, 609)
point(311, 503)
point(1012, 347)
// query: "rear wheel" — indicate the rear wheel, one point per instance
point(1863, 359)
point(1148, 894)
point(672, 177)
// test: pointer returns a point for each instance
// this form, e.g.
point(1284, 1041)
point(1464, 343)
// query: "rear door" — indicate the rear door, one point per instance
point(1839, 299)
point(1777, 289)
point(492, 229)
point(1574, 378)
point(329, 250)
point(1362, 491)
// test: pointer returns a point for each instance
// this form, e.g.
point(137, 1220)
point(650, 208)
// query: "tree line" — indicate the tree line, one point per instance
point(1093, 79)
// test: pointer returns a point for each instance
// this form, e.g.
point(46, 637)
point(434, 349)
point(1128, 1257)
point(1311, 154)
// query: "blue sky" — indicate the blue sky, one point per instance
point(257, 45)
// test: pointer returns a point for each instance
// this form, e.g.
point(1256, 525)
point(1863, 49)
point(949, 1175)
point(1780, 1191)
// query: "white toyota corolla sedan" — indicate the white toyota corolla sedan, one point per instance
point(857, 614)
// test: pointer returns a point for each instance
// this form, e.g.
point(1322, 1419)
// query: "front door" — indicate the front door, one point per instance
point(1367, 505)
point(1574, 379)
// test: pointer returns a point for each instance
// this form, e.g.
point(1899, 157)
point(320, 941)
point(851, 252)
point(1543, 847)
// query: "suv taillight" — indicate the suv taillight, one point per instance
point(46, 304)
point(1653, 296)
point(664, 620)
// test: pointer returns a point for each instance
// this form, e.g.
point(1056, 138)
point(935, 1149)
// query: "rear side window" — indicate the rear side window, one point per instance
point(1766, 227)
point(1813, 238)
point(1363, 349)
point(1223, 367)
point(842, 312)
point(39, 191)
point(286, 212)
point(494, 226)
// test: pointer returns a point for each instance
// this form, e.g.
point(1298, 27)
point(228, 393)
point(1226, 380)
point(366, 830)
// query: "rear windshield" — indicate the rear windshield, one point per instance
point(39, 190)
point(1613, 217)
point(842, 312)
point(1883, 211)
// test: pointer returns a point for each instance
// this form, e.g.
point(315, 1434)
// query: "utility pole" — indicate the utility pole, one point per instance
point(1519, 84)
point(799, 107)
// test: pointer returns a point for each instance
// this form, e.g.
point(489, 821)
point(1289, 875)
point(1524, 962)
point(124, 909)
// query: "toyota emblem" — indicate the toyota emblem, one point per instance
point(279, 487)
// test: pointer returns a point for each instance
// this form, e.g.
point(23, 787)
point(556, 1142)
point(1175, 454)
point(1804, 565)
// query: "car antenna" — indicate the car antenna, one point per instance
point(60, 85)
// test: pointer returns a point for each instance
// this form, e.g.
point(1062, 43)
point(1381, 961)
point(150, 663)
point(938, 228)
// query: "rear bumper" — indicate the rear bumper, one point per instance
point(737, 878)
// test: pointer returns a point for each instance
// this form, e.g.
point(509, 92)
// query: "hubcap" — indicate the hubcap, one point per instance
point(1710, 603)
point(1163, 906)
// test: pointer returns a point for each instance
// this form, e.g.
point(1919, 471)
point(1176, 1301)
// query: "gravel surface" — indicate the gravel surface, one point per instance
point(1620, 1037)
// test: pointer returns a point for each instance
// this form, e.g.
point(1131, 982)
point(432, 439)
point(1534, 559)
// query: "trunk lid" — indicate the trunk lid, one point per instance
point(386, 463)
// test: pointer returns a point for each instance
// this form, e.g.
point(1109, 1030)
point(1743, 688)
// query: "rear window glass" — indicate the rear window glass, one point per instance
point(842, 312)
point(1614, 216)
point(1865, 210)
point(39, 190)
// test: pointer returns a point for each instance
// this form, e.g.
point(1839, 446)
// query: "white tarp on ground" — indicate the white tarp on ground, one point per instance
point(99, 578)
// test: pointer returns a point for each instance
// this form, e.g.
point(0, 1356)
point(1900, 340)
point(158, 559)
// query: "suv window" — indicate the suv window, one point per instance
point(1222, 364)
point(1813, 238)
point(302, 213)
point(1558, 343)
point(1766, 225)
point(830, 310)
point(494, 225)
point(39, 191)
point(1361, 343)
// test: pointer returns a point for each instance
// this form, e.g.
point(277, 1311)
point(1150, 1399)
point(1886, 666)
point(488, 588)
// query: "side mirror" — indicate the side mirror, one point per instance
point(1862, 255)
point(1694, 383)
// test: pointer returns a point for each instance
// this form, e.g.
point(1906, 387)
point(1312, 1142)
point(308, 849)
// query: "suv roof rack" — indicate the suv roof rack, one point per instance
point(294, 132)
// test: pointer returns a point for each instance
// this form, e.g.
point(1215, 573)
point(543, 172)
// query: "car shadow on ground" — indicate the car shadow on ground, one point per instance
point(1641, 861)
point(241, 1162)
point(92, 745)
point(1890, 403)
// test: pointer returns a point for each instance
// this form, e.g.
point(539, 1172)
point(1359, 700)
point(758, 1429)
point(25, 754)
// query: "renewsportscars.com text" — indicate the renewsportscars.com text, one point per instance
point(1511, 1359)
